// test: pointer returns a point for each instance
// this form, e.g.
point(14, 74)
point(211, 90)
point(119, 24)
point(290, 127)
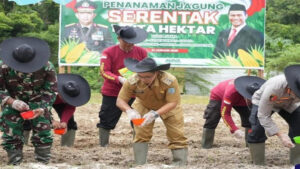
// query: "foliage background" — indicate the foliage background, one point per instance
point(42, 20)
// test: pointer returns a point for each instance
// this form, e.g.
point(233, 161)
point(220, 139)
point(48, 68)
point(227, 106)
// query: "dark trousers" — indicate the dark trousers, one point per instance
point(257, 134)
point(72, 125)
point(212, 114)
point(109, 113)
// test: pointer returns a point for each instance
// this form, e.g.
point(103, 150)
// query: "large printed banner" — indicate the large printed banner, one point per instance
point(185, 33)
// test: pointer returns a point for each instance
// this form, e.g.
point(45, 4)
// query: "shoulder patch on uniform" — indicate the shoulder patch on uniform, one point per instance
point(103, 26)
point(227, 101)
point(167, 81)
point(167, 78)
point(133, 79)
point(70, 24)
point(171, 90)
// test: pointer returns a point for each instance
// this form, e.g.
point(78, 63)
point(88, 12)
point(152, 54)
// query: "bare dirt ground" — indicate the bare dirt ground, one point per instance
point(227, 152)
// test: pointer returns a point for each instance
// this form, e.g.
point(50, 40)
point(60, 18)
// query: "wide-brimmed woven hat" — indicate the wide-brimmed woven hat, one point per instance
point(130, 34)
point(73, 89)
point(25, 54)
point(247, 85)
point(292, 76)
point(145, 65)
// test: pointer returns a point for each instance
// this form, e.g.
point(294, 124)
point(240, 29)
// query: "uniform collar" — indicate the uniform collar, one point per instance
point(89, 26)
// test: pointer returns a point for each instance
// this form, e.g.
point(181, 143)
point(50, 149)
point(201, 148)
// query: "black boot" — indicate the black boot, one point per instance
point(295, 155)
point(42, 154)
point(15, 157)
point(180, 156)
point(257, 152)
point(207, 138)
point(140, 151)
point(68, 138)
point(103, 137)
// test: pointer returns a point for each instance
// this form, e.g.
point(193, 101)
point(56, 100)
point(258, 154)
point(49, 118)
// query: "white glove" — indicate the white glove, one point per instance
point(19, 105)
point(286, 141)
point(122, 80)
point(239, 134)
point(133, 114)
point(150, 117)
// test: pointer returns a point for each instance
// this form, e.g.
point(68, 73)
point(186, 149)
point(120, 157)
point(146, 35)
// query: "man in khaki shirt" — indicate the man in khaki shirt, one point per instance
point(157, 95)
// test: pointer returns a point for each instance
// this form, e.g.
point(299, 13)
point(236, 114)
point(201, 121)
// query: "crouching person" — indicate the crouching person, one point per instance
point(27, 82)
point(73, 91)
point(157, 95)
point(278, 94)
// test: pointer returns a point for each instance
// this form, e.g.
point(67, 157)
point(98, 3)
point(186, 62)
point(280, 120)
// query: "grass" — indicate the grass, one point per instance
point(185, 99)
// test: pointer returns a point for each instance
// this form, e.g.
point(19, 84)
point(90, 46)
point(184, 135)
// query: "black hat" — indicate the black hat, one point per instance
point(86, 6)
point(130, 34)
point(292, 76)
point(145, 65)
point(25, 54)
point(247, 85)
point(73, 89)
point(237, 7)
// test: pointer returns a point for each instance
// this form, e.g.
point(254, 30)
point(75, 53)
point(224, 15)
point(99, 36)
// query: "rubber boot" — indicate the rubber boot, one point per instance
point(295, 155)
point(207, 138)
point(257, 151)
point(180, 156)
point(246, 135)
point(42, 154)
point(26, 134)
point(68, 138)
point(140, 151)
point(15, 157)
point(103, 137)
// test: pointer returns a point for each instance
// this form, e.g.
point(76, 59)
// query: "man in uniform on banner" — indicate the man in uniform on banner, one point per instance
point(239, 36)
point(96, 36)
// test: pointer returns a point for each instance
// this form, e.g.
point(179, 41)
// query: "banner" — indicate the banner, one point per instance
point(185, 33)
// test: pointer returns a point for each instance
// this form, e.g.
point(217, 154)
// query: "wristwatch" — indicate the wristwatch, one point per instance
point(156, 115)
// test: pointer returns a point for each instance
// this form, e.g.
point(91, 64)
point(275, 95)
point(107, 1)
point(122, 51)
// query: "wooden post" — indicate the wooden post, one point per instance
point(69, 69)
point(249, 72)
point(61, 69)
point(260, 73)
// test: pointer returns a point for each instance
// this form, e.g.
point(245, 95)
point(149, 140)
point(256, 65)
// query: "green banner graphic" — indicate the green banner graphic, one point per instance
point(185, 33)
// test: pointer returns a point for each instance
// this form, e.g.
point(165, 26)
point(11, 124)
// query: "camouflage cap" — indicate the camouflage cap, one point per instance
point(85, 6)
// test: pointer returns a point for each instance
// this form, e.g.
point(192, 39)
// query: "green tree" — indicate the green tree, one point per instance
point(288, 56)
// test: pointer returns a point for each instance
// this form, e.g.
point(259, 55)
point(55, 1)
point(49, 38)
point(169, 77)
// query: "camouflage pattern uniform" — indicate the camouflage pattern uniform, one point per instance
point(37, 89)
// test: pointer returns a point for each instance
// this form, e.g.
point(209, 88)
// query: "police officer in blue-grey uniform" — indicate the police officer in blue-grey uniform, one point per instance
point(96, 36)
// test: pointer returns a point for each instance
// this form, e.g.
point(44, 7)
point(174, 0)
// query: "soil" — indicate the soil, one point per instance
point(227, 151)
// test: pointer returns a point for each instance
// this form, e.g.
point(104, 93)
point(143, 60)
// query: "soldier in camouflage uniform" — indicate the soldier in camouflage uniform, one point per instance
point(27, 82)
point(96, 36)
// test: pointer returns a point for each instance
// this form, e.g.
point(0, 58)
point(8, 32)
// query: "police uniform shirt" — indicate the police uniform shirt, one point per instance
point(164, 89)
point(274, 95)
